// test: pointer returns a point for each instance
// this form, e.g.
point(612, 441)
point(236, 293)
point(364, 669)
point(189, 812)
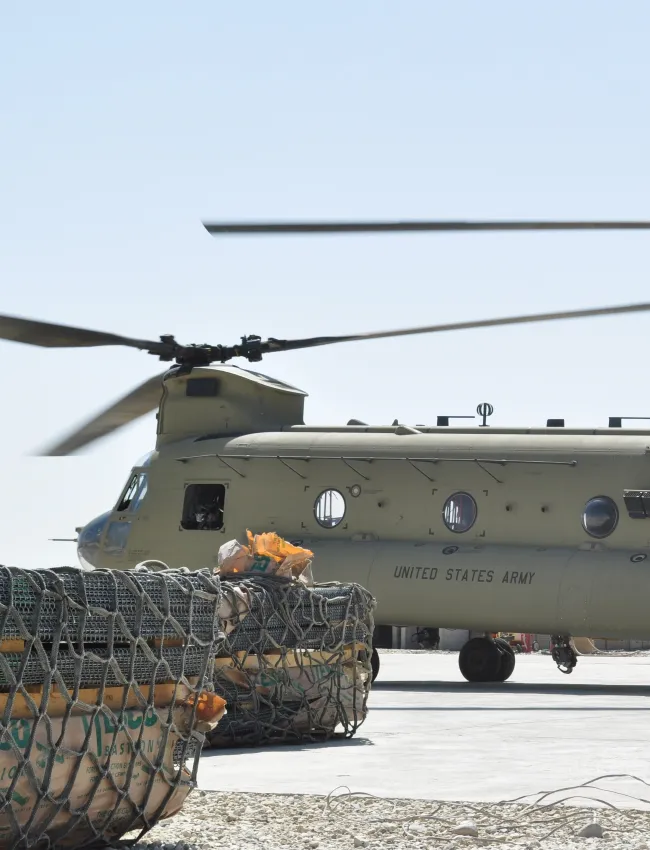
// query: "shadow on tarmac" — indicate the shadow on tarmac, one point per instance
point(503, 708)
point(504, 688)
point(293, 746)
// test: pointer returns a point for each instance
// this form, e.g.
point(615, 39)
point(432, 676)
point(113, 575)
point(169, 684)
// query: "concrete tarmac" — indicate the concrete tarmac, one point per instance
point(430, 734)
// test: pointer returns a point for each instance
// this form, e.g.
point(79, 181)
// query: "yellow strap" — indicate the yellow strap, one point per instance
point(290, 658)
point(113, 697)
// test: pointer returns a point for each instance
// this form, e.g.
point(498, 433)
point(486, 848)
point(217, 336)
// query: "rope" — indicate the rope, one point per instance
point(295, 661)
point(513, 823)
point(103, 700)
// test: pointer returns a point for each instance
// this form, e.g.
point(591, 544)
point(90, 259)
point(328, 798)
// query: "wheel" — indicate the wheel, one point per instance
point(508, 660)
point(480, 660)
point(374, 663)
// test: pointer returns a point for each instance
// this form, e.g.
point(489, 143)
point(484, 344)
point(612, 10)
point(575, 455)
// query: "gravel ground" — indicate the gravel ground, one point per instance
point(233, 821)
point(556, 820)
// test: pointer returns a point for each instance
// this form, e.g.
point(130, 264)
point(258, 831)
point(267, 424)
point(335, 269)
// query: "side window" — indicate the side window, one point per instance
point(600, 516)
point(203, 507)
point(329, 508)
point(134, 493)
point(459, 513)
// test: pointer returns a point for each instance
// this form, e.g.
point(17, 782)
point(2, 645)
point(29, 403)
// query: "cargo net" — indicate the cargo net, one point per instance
point(103, 700)
point(295, 663)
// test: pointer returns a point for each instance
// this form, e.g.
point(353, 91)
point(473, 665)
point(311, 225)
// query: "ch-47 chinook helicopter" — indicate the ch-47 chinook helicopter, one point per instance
point(519, 529)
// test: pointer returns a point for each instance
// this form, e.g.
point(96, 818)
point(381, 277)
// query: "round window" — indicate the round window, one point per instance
point(600, 516)
point(329, 508)
point(459, 512)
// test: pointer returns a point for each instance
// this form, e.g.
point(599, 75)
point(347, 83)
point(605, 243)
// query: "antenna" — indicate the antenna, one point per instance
point(484, 410)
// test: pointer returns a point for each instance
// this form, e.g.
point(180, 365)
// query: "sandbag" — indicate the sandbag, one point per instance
point(294, 663)
point(106, 695)
point(88, 776)
point(313, 681)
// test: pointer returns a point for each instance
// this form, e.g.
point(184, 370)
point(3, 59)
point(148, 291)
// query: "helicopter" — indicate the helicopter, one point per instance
point(514, 529)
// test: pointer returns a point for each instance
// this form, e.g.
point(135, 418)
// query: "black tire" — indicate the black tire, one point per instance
point(374, 664)
point(508, 660)
point(480, 660)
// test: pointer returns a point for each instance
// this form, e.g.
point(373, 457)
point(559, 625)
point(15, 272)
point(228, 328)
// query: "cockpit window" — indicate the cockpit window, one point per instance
point(203, 507)
point(134, 493)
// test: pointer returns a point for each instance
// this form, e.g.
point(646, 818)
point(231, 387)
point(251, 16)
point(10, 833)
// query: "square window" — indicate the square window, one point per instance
point(202, 387)
point(203, 507)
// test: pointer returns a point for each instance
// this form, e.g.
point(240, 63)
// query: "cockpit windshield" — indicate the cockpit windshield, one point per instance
point(133, 493)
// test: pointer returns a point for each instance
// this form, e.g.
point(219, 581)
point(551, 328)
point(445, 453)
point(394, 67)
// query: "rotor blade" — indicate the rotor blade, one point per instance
point(139, 402)
point(292, 345)
point(284, 227)
point(48, 335)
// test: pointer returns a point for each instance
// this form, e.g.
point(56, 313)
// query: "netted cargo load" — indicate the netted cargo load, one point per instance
point(105, 695)
point(295, 660)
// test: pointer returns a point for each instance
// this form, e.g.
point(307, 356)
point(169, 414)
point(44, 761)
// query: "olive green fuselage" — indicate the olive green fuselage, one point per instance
point(526, 564)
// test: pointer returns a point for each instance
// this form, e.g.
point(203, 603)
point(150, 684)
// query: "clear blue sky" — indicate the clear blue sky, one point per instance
point(123, 126)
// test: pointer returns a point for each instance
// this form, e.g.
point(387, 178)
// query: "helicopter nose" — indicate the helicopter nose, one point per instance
point(88, 540)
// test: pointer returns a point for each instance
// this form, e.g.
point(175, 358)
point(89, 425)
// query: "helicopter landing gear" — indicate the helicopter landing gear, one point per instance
point(484, 659)
point(563, 653)
point(507, 659)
